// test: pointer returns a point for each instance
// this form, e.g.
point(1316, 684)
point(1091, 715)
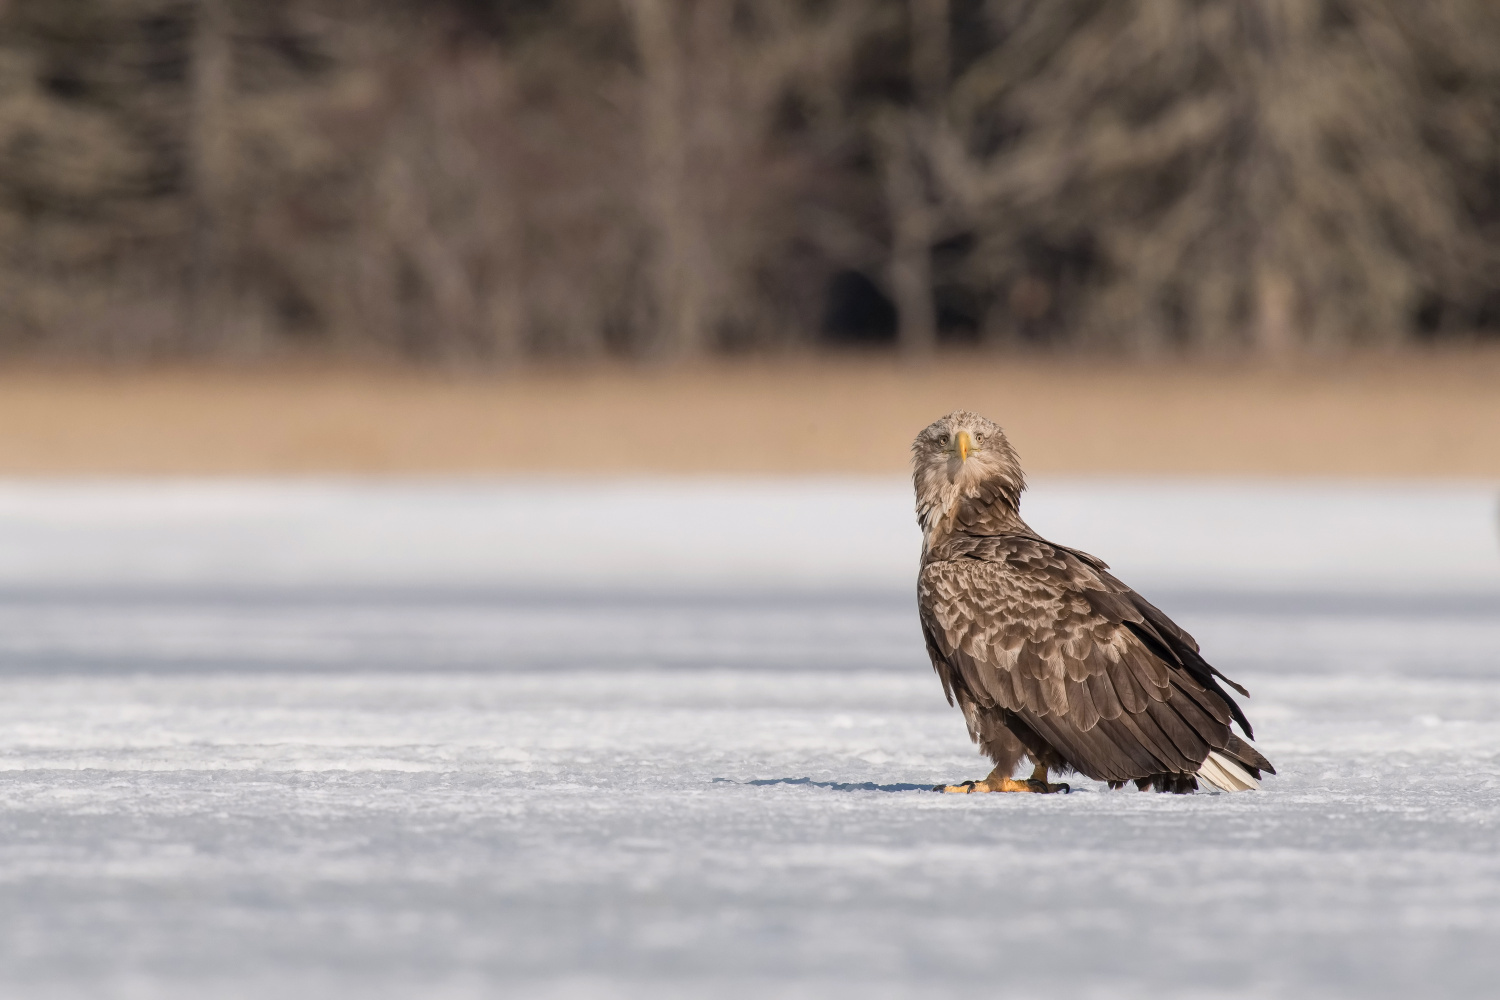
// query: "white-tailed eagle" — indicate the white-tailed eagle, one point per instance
point(1049, 656)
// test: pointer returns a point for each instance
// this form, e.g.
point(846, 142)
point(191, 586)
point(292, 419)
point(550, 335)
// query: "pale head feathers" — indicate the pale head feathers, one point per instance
point(960, 457)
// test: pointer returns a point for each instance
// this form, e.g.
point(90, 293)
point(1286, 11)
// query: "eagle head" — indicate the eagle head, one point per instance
point(958, 457)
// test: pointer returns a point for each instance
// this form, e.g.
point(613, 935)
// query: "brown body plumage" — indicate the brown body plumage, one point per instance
point(1048, 654)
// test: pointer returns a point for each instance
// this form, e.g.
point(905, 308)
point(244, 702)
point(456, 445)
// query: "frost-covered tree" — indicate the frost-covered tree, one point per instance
point(1218, 175)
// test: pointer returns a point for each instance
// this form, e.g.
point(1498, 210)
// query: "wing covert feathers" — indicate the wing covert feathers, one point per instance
point(1079, 667)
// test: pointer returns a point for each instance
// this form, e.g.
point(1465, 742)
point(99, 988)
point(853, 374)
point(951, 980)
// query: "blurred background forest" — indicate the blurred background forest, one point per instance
point(486, 181)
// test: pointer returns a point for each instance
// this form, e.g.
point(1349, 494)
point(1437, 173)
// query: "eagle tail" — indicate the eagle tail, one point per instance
point(1226, 774)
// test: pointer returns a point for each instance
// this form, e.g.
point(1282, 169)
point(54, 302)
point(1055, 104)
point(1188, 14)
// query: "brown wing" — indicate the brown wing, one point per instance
point(1018, 625)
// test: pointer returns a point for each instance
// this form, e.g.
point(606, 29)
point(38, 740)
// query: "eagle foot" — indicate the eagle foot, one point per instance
point(993, 784)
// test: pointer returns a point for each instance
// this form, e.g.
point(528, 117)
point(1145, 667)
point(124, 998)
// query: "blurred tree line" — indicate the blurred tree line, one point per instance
point(489, 180)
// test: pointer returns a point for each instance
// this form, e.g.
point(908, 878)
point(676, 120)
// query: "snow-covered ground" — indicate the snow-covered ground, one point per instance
point(670, 739)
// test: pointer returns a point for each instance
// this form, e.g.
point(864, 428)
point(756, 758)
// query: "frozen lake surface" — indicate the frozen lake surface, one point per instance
point(534, 740)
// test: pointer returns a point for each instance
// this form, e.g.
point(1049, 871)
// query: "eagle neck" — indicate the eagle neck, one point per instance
point(985, 509)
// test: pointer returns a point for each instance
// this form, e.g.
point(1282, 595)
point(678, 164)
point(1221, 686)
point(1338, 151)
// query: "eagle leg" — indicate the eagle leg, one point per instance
point(1039, 778)
point(999, 782)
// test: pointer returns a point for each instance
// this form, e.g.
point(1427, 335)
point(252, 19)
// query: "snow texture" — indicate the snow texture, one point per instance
point(551, 739)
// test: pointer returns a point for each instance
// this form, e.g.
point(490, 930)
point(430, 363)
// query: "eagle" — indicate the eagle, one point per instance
point(1049, 656)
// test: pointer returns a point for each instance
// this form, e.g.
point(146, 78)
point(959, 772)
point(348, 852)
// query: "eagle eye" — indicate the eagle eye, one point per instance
point(943, 439)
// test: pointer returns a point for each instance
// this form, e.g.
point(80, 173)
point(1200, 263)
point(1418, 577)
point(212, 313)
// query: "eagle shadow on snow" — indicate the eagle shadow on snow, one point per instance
point(835, 786)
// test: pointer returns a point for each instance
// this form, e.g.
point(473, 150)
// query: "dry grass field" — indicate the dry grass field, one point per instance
point(1430, 414)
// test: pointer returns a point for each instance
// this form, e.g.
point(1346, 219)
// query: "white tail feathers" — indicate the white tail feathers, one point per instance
point(1226, 774)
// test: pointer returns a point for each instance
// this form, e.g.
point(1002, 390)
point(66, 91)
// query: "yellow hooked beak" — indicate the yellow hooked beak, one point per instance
point(962, 445)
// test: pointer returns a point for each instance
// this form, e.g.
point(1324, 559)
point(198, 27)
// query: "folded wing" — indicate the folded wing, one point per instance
point(1075, 660)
